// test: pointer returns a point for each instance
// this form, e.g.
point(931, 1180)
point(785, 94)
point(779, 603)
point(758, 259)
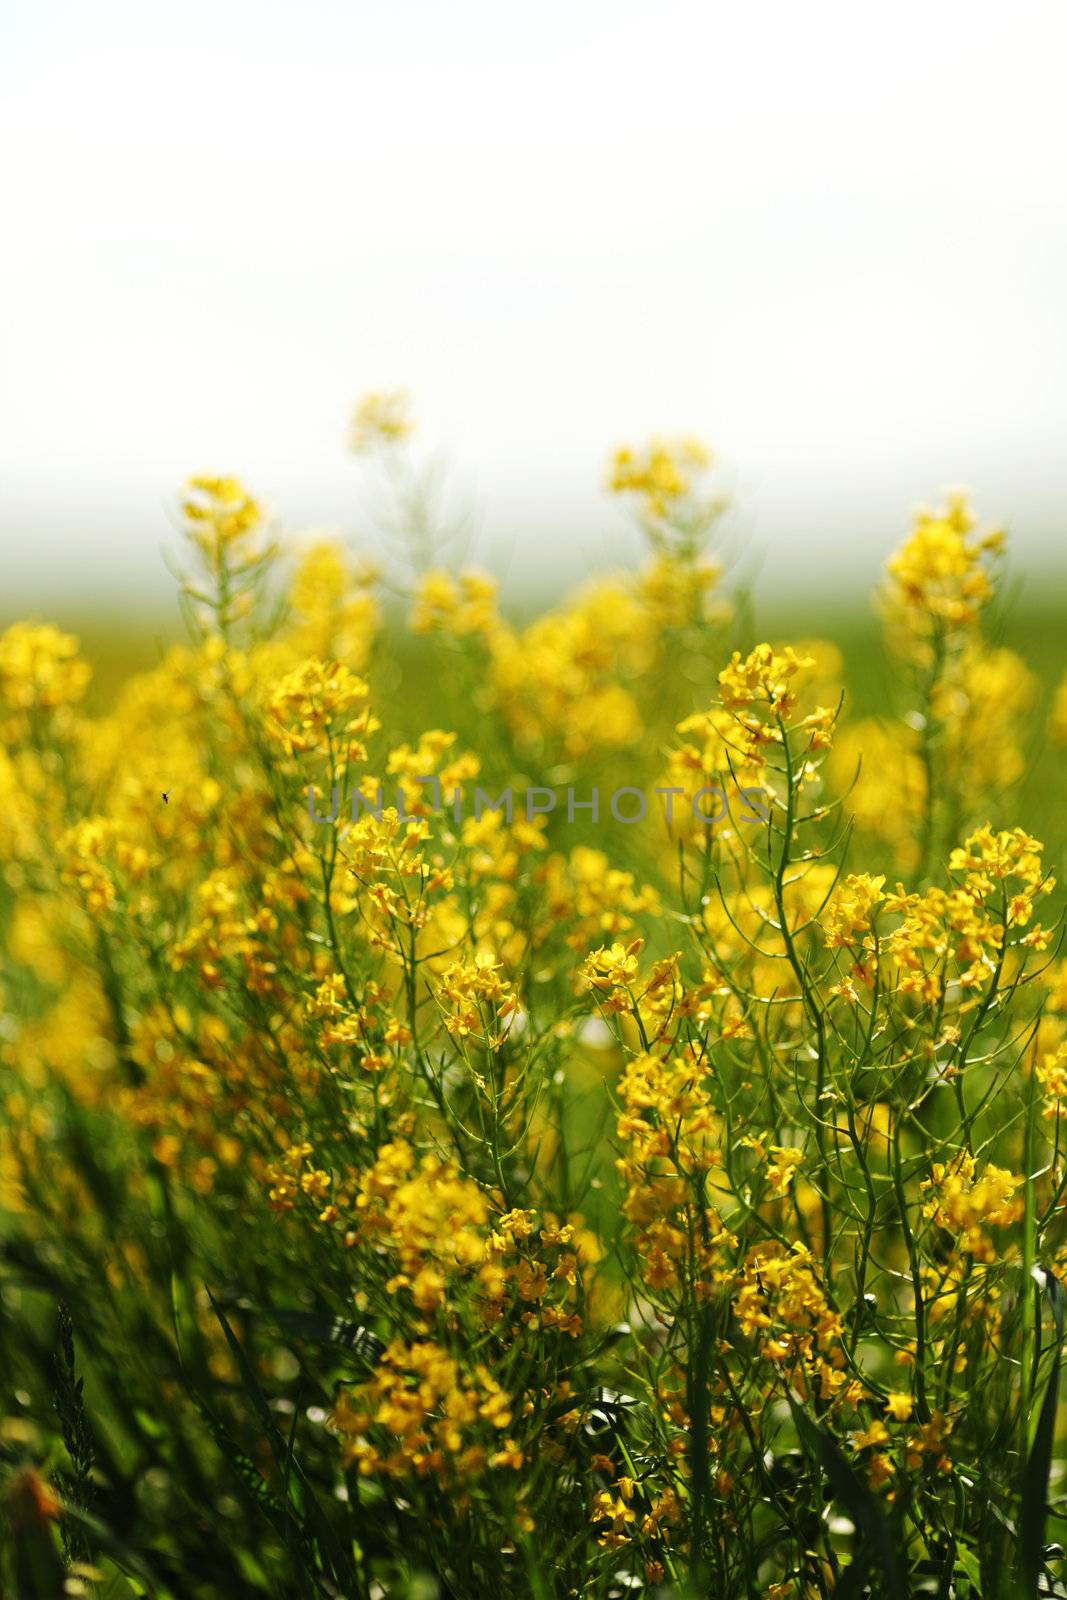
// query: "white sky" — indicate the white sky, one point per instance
point(832, 238)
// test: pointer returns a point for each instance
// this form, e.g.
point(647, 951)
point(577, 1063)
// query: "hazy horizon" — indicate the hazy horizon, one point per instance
point(834, 249)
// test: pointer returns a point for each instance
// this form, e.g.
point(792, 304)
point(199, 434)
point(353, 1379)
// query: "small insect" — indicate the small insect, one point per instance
point(166, 797)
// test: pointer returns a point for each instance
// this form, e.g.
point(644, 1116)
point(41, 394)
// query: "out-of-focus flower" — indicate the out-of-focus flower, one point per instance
point(382, 417)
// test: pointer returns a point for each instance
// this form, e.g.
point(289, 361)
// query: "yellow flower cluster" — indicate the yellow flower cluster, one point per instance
point(310, 707)
point(780, 1301)
point(848, 911)
point(941, 568)
point(477, 1000)
point(968, 1204)
point(661, 474)
point(335, 614)
point(382, 417)
point(421, 1415)
point(40, 668)
point(220, 514)
point(427, 1215)
point(578, 1192)
point(458, 606)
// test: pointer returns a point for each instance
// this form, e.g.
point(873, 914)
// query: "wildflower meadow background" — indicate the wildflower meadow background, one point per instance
point(418, 1204)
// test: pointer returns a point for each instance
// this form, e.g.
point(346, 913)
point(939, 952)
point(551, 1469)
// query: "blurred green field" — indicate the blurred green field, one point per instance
point(1033, 625)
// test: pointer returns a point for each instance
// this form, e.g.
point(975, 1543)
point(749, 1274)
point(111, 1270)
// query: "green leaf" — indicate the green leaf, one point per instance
point(1033, 1505)
point(315, 1524)
point(970, 1564)
point(251, 1479)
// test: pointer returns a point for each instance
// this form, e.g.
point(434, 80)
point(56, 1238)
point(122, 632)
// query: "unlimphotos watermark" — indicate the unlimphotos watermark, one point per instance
point(626, 805)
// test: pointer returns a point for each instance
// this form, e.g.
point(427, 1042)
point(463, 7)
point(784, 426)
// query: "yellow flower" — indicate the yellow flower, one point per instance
point(460, 607)
point(782, 1170)
point(220, 513)
point(1058, 718)
point(899, 1405)
point(382, 417)
point(764, 677)
point(877, 1433)
point(334, 613)
point(40, 668)
point(661, 475)
point(848, 912)
point(966, 1204)
point(940, 571)
point(312, 703)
